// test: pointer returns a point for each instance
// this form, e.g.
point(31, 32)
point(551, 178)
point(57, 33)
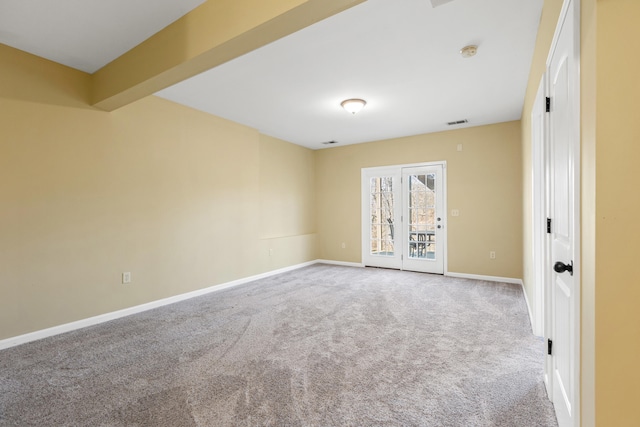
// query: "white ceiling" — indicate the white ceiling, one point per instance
point(85, 34)
point(399, 55)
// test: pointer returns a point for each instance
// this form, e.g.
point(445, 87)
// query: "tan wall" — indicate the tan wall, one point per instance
point(29, 78)
point(617, 153)
point(484, 184)
point(181, 199)
point(287, 184)
point(287, 215)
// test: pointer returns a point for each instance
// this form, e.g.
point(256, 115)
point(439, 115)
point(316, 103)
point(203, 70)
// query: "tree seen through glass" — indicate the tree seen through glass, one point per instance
point(422, 217)
point(382, 219)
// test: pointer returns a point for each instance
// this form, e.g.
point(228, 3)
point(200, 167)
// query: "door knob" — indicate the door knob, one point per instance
point(560, 267)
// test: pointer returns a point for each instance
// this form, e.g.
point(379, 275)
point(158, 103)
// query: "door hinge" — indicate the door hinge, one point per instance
point(548, 225)
point(549, 347)
point(548, 105)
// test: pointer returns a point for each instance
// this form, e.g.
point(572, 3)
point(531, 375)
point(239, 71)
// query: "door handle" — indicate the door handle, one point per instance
point(560, 267)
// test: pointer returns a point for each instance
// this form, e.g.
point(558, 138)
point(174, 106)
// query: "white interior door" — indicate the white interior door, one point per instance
point(403, 217)
point(564, 232)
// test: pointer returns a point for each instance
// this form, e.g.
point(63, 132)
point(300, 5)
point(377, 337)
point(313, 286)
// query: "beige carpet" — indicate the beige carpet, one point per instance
point(319, 346)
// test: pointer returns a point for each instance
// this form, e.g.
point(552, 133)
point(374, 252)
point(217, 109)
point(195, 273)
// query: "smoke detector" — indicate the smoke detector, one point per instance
point(469, 51)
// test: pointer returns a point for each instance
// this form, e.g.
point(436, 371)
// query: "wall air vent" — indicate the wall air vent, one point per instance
point(458, 122)
point(329, 142)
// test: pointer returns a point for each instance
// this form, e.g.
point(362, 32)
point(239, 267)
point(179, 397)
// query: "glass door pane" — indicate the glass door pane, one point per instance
point(422, 216)
point(382, 237)
point(382, 224)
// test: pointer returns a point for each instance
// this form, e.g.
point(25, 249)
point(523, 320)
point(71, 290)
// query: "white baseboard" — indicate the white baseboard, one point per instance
point(485, 278)
point(498, 279)
point(526, 298)
point(68, 327)
point(342, 263)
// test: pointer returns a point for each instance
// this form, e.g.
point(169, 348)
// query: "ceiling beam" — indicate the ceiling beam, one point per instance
point(212, 34)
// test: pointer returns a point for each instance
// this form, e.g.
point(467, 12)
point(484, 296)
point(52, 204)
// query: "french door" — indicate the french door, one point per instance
point(403, 217)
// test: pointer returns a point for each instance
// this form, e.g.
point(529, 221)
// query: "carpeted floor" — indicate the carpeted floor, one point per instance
point(318, 346)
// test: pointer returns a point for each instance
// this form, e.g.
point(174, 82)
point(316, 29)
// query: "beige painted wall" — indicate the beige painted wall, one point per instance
point(22, 77)
point(484, 184)
point(181, 199)
point(287, 183)
point(617, 153)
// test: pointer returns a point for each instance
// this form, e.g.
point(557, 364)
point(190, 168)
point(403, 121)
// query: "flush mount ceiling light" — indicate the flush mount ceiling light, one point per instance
point(469, 51)
point(353, 105)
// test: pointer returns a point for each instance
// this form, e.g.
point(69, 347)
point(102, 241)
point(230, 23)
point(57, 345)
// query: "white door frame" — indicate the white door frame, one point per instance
point(365, 202)
point(570, 11)
point(539, 137)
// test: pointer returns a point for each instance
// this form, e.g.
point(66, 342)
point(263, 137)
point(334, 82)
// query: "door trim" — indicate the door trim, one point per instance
point(364, 226)
point(539, 138)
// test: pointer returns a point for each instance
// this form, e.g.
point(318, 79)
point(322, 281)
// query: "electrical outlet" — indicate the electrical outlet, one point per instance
point(270, 252)
point(455, 212)
point(459, 147)
point(492, 255)
point(126, 278)
point(344, 245)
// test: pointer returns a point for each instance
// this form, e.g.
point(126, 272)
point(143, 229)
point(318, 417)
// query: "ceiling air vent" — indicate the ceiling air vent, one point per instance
point(329, 142)
point(458, 122)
